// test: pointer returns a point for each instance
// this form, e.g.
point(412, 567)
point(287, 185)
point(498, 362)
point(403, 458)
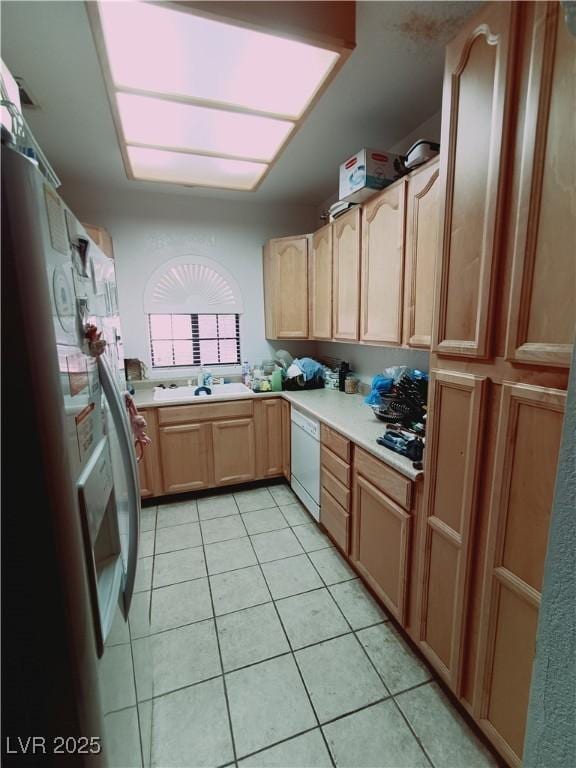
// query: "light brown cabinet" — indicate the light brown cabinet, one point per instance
point(504, 312)
point(370, 272)
point(285, 272)
point(269, 437)
point(207, 445)
point(455, 417)
point(335, 481)
point(149, 464)
point(421, 248)
point(286, 440)
point(101, 238)
point(321, 284)
point(380, 547)
point(542, 313)
point(527, 442)
point(346, 276)
point(383, 220)
point(185, 451)
point(477, 74)
point(233, 451)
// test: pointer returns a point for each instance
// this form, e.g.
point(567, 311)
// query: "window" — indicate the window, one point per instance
point(194, 339)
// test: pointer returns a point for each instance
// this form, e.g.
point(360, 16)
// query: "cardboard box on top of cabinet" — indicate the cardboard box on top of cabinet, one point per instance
point(366, 171)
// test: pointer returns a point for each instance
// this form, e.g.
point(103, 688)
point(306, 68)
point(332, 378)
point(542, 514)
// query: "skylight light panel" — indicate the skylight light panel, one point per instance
point(160, 50)
point(179, 168)
point(171, 124)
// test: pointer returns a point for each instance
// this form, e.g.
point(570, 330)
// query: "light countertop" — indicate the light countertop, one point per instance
point(347, 414)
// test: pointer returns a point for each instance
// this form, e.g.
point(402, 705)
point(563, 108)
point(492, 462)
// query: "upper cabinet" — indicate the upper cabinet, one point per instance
point(421, 249)
point(383, 222)
point(542, 312)
point(321, 284)
point(367, 277)
point(346, 276)
point(101, 238)
point(473, 158)
point(286, 288)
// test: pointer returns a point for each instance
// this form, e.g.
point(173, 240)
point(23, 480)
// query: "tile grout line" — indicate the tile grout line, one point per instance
point(380, 677)
point(225, 687)
point(291, 652)
point(292, 655)
point(391, 696)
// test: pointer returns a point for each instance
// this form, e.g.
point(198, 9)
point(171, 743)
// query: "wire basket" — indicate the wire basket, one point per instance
point(391, 410)
point(22, 139)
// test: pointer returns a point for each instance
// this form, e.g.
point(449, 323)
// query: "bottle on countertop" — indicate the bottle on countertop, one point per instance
point(208, 379)
point(245, 372)
point(342, 373)
point(200, 381)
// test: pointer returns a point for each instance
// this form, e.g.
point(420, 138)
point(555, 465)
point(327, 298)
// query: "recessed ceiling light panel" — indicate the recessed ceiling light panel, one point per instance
point(194, 170)
point(205, 101)
point(162, 50)
point(170, 124)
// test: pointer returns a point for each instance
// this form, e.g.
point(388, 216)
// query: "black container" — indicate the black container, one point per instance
point(343, 371)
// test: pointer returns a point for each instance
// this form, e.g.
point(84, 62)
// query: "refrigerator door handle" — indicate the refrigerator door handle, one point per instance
point(118, 413)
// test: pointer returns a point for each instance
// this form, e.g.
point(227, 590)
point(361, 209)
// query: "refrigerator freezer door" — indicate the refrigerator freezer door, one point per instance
point(129, 524)
point(68, 451)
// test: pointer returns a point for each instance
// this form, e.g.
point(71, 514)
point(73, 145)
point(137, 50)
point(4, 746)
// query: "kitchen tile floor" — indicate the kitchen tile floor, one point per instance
point(269, 652)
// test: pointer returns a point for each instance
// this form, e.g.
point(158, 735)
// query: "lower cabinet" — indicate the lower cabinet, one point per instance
point(380, 546)
point(268, 416)
point(233, 451)
point(208, 445)
point(148, 463)
point(185, 456)
point(286, 440)
point(335, 481)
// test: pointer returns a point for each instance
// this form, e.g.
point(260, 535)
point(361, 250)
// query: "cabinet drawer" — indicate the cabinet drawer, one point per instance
point(336, 442)
point(386, 479)
point(178, 414)
point(340, 469)
point(335, 519)
point(336, 488)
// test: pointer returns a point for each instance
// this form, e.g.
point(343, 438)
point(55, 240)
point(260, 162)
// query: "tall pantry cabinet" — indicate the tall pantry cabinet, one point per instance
point(503, 330)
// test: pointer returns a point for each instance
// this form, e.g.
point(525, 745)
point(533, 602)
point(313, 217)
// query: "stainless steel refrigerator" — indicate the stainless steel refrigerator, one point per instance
point(76, 662)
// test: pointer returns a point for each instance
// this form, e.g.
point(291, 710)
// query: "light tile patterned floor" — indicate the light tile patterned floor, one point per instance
point(269, 652)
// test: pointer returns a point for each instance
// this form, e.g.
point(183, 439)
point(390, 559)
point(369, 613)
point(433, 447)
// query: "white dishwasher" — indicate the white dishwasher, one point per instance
point(305, 457)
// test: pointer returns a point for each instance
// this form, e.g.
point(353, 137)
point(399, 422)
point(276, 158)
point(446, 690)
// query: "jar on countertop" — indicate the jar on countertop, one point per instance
point(351, 385)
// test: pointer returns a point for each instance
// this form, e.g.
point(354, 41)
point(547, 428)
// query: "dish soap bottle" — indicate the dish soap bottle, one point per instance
point(201, 377)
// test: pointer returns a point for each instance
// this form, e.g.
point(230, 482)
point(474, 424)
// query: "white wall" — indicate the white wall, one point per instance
point(366, 361)
point(151, 228)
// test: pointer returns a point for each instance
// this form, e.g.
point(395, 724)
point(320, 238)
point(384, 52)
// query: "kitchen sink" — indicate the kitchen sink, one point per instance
point(234, 389)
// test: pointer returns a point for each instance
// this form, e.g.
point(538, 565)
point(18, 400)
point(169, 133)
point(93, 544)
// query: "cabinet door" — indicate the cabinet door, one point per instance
point(381, 539)
point(234, 451)
point(101, 238)
point(543, 299)
point(269, 437)
point(456, 404)
point(186, 457)
point(149, 465)
point(383, 266)
point(290, 267)
point(421, 248)
point(321, 284)
point(346, 277)
point(270, 277)
point(286, 439)
point(526, 454)
point(474, 129)
point(145, 485)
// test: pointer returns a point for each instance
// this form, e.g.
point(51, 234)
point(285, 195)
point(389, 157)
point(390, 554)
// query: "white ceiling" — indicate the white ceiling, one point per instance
point(391, 83)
